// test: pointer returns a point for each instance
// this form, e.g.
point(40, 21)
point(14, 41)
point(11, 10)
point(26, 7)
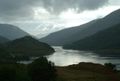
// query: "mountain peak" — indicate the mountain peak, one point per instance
point(29, 46)
point(11, 32)
point(69, 35)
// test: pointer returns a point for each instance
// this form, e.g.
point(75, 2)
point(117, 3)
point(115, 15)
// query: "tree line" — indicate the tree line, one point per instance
point(39, 70)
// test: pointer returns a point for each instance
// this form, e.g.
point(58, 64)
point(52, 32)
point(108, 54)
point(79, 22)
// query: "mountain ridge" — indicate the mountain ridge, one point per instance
point(56, 37)
point(29, 46)
point(106, 42)
point(11, 32)
point(63, 37)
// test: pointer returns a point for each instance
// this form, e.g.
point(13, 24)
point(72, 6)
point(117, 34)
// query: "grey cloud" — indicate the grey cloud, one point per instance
point(56, 6)
point(13, 9)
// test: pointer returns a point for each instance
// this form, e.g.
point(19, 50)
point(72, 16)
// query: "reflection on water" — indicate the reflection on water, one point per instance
point(66, 57)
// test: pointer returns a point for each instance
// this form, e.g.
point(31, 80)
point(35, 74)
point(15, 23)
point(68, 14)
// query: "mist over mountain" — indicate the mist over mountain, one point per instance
point(20, 44)
point(67, 36)
point(11, 32)
point(63, 36)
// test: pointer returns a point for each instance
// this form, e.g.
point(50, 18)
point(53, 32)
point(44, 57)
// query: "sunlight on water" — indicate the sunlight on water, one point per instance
point(67, 57)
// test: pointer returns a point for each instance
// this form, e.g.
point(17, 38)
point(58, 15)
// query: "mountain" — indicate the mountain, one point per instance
point(11, 32)
point(73, 34)
point(3, 39)
point(105, 41)
point(62, 37)
point(29, 46)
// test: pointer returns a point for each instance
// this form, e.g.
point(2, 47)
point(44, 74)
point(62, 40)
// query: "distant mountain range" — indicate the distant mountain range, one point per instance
point(70, 35)
point(62, 37)
point(11, 32)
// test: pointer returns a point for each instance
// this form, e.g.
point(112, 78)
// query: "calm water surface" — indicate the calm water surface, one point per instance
point(64, 57)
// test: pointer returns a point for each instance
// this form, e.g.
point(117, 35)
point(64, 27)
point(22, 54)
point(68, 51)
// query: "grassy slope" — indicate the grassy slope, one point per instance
point(82, 72)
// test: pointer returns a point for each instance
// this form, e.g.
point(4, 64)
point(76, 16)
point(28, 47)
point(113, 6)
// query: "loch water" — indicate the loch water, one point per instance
point(63, 57)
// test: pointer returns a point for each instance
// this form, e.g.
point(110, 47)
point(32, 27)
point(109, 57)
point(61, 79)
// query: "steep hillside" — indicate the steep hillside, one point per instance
point(64, 36)
point(70, 35)
point(11, 32)
point(107, 40)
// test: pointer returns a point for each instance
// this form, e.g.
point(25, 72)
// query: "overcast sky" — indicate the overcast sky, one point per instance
point(45, 16)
